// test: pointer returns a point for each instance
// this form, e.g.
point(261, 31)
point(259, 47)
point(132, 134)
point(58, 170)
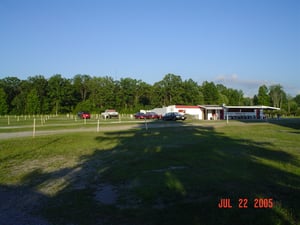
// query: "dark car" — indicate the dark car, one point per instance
point(140, 115)
point(84, 115)
point(173, 116)
point(152, 115)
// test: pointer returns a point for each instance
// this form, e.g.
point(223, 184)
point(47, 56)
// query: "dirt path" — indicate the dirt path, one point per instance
point(63, 131)
point(90, 129)
point(115, 128)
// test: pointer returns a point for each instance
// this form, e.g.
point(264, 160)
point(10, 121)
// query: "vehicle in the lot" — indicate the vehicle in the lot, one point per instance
point(110, 113)
point(173, 116)
point(140, 115)
point(152, 115)
point(84, 115)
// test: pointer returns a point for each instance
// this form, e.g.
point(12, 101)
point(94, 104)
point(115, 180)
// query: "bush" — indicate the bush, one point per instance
point(87, 106)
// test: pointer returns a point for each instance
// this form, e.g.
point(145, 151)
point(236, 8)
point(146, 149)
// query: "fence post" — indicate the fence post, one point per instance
point(98, 125)
point(146, 125)
point(33, 131)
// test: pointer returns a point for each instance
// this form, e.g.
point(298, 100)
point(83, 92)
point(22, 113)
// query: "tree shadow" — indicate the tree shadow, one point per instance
point(171, 173)
point(18, 203)
point(293, 123)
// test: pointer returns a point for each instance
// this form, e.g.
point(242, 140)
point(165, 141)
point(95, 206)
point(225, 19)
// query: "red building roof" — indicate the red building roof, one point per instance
point(187, 106)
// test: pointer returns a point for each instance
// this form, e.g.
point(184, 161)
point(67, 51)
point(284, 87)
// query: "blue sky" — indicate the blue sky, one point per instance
point(239, 43)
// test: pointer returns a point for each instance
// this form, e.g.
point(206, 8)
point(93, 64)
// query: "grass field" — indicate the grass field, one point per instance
point(51, 122)
point(162, 176)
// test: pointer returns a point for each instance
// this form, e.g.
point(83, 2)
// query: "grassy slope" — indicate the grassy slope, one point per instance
point(165, 176)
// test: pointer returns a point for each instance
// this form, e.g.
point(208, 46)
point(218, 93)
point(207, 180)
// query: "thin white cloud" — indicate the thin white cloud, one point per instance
point(235, 80)
point(249, 86)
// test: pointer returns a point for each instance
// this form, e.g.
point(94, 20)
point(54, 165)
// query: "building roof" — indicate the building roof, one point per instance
point(252, 107)
point(211, 107)
point(187, 106)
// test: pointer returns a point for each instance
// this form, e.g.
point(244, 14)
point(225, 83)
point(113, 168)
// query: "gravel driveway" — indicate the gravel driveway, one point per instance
point(91, 129)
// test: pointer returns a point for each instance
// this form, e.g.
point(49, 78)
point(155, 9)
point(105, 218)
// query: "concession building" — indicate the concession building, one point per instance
point(217, 112)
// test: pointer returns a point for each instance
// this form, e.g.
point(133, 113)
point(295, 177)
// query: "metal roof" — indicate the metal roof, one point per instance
point(212, 107)
point(218, 107)
point(252, 107)
point(187, 106)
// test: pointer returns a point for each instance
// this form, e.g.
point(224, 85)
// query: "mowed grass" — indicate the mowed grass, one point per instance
point(10, 124)
point(161, 176)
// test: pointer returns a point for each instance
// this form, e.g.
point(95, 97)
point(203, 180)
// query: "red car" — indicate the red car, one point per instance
point(84, 115)
point(152, 115)
point(140, 115)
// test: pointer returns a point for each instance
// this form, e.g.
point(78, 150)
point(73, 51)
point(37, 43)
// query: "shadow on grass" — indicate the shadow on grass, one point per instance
point(293, 123)
point(173, 175)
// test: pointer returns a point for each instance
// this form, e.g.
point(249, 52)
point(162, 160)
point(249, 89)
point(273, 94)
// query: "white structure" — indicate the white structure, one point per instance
point(160, 111)
point(216, 112)
point(212, 112)
point(246, 112)
point(192, 110)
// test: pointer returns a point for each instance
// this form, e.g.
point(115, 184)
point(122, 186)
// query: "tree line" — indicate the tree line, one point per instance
point(38, 95)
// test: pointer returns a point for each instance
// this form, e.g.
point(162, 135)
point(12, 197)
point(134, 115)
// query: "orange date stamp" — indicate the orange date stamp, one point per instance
point(244, 203)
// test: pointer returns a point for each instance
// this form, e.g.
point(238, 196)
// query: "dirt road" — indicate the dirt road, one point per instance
point(93, 129)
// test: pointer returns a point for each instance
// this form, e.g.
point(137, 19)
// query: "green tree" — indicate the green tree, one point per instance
point(235, 97)
point(61, 94)
point(168, 91)
point(40, 83)
point(18, 104)
point(263, 97)
point(277, 95)
point(210, 93)
point(19, 101)
point(3, 103)
point(11, 87)
point(157, 96)
point(81, 84)
point(127, 94)
point(223, 92)
point(144, 94)
point(291, 105)
point(87, 106)
point(32, 102)
point(173, 89)
point(247, 101)
point(255, 100)
point(102, 94)
point(192, 94)
point(297, 100)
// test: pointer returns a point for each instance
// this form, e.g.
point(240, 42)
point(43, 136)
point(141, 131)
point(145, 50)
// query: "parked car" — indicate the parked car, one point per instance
point(140, 115)
point(110, 113)
point(152, 115)
point(173, 116)
point(84, 115)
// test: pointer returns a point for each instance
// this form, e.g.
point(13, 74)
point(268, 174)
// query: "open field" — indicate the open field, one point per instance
point(173, 173)
point(52, 122)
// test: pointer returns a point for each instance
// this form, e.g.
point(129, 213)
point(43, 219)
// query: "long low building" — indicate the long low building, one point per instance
point(217, 112)
point(246, 112)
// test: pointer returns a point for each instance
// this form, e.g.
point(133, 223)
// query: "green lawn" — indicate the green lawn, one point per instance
point(9, 124)
point(161, 176)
